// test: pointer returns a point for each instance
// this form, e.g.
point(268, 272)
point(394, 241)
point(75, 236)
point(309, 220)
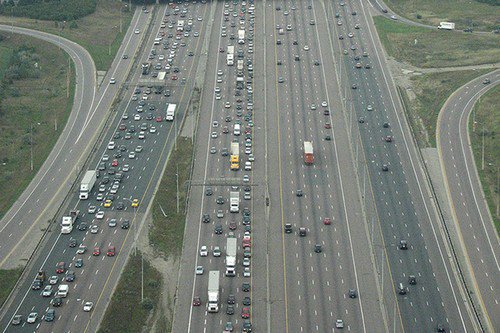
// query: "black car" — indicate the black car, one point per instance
point(247, 301)
point(218, 229)
point(117, 155)
point(247, 188)
point(299, 193)
point(403, 245)
point(50, 315)
point(318, 248)
point(79, 263)
point(231, 299)
point(288, 228)
point(246, 220)
point(70, 276)
point(57, 301)
point(105, 180)
point(82, 226)
point(37, 285)
point(205, 218)
point(412, 280)
point(208, 191)
point(220, 200)
point(125, 224)
point(72, 242)
point(353, 293)
point(245, 287)
point(230, 310)
point(120, 206)
point(386, 125)
point(385, 167)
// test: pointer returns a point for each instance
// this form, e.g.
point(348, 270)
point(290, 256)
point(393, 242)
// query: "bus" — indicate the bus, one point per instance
point(241, 36)
point(171, 112)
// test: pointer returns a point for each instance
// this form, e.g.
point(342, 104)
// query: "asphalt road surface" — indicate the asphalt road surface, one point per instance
point(42, 198)
point(469, 207)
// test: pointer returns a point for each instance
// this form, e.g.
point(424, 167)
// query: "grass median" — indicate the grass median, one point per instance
point(465, 13)
point(99, 32)
point(484, 128)
point(126, 313)
point(429, 93)
point(8, 278)
point(33, 112)
point(427, 48)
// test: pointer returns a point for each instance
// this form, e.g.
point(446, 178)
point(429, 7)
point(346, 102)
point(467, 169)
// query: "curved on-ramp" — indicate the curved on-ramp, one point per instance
point(476, 232)
point(35, 203)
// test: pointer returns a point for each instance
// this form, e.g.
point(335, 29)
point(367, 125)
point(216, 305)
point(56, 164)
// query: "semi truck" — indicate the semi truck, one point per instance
point(446, 25)
point(68, 221)
point(171, 112)
point(234, 201)
point(87, 184)
point(213, 291)
point(231, 251)
point(235, 156)
point(308, 152)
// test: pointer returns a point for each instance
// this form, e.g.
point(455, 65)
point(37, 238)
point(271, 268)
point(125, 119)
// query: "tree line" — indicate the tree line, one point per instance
point(51, 10)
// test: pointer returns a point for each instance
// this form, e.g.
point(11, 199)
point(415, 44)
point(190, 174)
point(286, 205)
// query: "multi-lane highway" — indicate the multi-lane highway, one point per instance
point(478, 236)
point(42, 198)
point(142, 140)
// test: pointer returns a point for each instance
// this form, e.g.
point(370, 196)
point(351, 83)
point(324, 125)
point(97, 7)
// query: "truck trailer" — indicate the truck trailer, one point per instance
point(213, 291)
point(308, 153)
point(446, 25)
point(87, 184)
point(234, 202)
point(231, 251)
point(171, 112)
point(68, 221)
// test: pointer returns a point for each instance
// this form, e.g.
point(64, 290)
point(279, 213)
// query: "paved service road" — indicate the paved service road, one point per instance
point(469, 207)
point(41, 199)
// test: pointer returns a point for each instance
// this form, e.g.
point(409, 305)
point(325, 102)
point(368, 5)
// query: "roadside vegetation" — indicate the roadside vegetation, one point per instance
point(425, 48)
point(484, 133)
point(36, 96)
point(429, 93)
point(54, 10)
point(8, 279)
point(476, 14)
point(98, 32)
point(126, 313)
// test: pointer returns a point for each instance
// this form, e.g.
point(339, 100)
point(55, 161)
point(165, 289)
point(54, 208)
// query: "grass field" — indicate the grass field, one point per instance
point(435, 48)
point(487, 118)
point(8, 279)
point(99, 32)
point(126, 313)
point(432, 90)
point(465, 13)
point(39, 104)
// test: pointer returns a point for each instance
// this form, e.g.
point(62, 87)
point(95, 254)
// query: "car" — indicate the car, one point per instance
point(112, 80)
point(111, 145)
point(358, 65)
point(72, 242)
point(245, 312)
point(327, 221)
point(87, 306)
point(328, 125)
point(403, 245)
point(135, 203)
point(214, 135)
point(111, 251)
point(196, 301)
point(353, 293)
point(361, 120)
point(131, 155)
point(231, 299)
point(354, 86)
point(36, 285)
point(32, 317)
point(136, 31)
point(228, 327)
point(99, 215)
point(412, 280)
point(199, 270)
point(326, 112)
point(213, 150)
point(316, 63)
point(385, 167)
point(367, 66)
point(393, 17)
point(17, 320)
point(125, 224)
point(281, 80)
point(97, 251)
point(388, 138)
point(70, 276)
point(47, 291)
point(339, 323)
point(245, 287)
point(318, 248)
point(158, 119)
point(108, 203)
point(246, 262)
point(218, 229)
point(217, 252)
point(112, 223)
point(94, 229)
point(299, 193)
point(57, 302)
point(60, 267)
point(203, 251)
point(246, 178)
point(369, 107)
point(440, 328)
point(230, 310)
point(246, 272)
point(386, 125)
point(486, 81)
point(53, 279)
point(81, 249)
point(79, 263)
point(306, 48)
point(82, 226)
point(313, 107)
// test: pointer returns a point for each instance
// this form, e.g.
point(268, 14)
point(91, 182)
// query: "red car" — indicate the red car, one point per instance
point(245, 313)
point(328, 125)
point(122, 127)
point(246, 244)
point(196, 301)
point(158, 119)
point(60, 267)
point(327, 221)
point(174, 77)
point(111, 251)
point(114, 163)
point(97, 251)
point(232, 225)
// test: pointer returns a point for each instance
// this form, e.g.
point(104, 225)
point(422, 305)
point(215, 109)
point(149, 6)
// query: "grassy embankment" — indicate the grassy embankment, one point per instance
point(99, 32)
point(487, 128)
point(465, 13)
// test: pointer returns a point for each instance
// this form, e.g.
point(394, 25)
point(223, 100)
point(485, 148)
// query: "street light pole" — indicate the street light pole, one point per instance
point(177, 184)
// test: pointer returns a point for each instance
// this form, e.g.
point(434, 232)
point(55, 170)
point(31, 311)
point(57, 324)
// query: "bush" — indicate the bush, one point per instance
point(419, 16)
point(53, 10)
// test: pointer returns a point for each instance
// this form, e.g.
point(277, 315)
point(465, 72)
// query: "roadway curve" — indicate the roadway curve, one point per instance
point(477, 234)
point(40, 201)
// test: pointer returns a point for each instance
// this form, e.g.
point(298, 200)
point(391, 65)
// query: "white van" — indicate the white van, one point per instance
point(237, 129)
point(62, 291)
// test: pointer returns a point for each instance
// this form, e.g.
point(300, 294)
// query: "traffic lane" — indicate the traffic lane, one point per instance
point(457, 163)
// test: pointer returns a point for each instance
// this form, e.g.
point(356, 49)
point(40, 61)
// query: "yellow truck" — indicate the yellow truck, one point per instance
point(235, 156)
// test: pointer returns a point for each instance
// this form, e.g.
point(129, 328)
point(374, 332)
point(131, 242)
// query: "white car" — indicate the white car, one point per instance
point(217, 89)
point(138, 149)
point(92, 209)
point(214, 135)
point(136, 31)
point(219, 72)
point(248, 150)
point(105, 158)
point(248, 166)
point(246, 178)
point(126, 168)
point(217, 252)
point(32, 318)
point(47, 291)
point(152, 129)
point(215, 124)
point(218, 96)
point(142, 135)
point(203, 251)
point(94, 229)
point(88, 306)
point(111, 145)
point(246, 272)
point(369, 107)
point(251, 158)
point(324, 104)
point(227, 105)
point(53, 279)
point(161, 57)
point(112, 80)
point(137, 117)
point(306, 48)
point(199, 270)
point(131, 155)
point(339, 323)
point(99, 215)
point(246, 262)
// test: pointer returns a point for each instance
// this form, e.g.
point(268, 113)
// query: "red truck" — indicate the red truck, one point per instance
point(308, 153)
